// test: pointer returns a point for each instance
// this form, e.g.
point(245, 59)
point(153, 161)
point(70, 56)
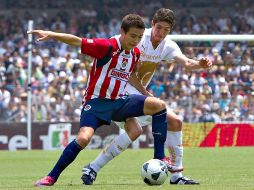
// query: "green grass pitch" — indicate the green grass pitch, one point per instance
point(215, 168)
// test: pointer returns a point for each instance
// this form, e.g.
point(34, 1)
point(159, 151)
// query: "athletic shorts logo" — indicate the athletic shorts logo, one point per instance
point(87, 107)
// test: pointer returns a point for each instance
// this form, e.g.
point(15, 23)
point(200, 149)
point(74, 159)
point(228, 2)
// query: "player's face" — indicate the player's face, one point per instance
point(159, 31)
point(131, 39)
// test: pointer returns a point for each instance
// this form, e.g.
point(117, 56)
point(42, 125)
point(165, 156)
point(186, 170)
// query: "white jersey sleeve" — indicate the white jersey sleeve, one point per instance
point(171, 49)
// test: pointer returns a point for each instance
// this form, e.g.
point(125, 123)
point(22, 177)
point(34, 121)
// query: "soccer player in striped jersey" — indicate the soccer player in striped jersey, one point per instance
point(114, 62)
point(156, 46)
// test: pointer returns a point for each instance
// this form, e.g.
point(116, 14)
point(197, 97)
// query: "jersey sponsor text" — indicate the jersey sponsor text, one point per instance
point(118, 74)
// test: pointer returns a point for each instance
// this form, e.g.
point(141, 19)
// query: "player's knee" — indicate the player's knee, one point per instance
point(153, 105)
point(133, 131)
point(175, 124)
point(137, 132)
point(83, 140)
point(134, 134)
point(158, 105)
point(161, 105)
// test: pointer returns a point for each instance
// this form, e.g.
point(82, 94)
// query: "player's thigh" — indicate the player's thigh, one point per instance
point(132, 106)
point(174, 121)
point(153, 105)
point(89, 122)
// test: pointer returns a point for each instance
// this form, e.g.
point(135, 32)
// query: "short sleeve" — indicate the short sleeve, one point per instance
point(172, 50)
point(97, 47)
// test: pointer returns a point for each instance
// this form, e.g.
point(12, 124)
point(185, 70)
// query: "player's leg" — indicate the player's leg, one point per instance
point(148, 106)
point(157, 109)
point(143, 105)
point(69, 154)
point(116, 147)
point(175, 148)
point(88, 124)
point(174, 141)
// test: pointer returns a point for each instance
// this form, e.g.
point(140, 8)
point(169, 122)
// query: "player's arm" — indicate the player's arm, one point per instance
point(62, 37)
point(97, 48)
point(192, 64)
point(135, 82)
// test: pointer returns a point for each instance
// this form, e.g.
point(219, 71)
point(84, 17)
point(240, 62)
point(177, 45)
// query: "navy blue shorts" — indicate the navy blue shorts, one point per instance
point(98, 111)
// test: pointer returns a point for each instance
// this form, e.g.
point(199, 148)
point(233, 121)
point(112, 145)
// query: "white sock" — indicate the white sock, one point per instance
point(174, 145)
point(118, 145)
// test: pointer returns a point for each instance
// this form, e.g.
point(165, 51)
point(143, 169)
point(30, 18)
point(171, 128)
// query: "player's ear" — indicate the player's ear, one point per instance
point(122, 32)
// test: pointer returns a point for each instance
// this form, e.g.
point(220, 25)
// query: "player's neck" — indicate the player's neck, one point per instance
point(123, 44)
point(154, 43)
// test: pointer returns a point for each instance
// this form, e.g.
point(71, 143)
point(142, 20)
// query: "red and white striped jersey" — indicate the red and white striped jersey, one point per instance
point(112, 67)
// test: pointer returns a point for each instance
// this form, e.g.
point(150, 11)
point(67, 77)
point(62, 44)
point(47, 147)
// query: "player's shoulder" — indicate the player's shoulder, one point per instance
point(97, 42)
point(114, 41)
point(169, 42)
point(148, 32)
point(136, 51)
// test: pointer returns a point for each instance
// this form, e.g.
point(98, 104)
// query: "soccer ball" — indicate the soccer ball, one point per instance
point(154, 172)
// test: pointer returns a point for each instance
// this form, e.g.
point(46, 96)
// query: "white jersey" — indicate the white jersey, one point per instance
point(150, 58)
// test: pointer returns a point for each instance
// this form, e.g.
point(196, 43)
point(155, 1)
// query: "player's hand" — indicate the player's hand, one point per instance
point(205, 63)
point(43, 35)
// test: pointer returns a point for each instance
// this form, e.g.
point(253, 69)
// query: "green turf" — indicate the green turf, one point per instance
point(215, 168)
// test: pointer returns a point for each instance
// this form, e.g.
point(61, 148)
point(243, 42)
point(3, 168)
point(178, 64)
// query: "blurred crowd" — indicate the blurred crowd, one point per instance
point(59, 72)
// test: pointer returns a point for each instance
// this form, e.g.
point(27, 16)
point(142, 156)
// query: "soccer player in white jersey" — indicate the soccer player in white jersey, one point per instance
point(114, 62)
point(156, 46)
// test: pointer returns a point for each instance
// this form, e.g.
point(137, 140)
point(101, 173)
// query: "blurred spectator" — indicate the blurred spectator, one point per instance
point(5, 97)
point(157, 88)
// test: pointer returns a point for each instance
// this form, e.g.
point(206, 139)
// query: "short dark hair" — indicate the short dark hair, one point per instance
point(164, 15)
point(132, 20)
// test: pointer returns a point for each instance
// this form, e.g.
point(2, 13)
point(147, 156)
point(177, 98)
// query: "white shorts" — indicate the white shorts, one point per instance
point(142, 120)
